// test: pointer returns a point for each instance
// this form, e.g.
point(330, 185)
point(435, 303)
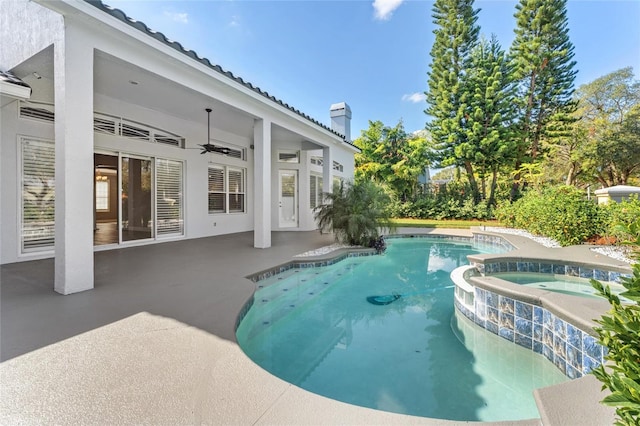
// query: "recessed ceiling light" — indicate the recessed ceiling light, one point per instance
point(135, 83)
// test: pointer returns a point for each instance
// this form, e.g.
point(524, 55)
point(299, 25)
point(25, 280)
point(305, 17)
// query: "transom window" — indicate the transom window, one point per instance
point(288, 157)
point(318, 161)
point(227, 193)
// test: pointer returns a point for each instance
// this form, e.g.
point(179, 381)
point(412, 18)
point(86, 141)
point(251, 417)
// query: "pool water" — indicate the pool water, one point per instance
point(314, 328)
point(564, 284)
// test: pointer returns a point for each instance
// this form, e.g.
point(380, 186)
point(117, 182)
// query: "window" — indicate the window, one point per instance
point(318, 161)
point(236, 190)
point(169, 202)
point(37, 228)
point(112, 125)
point(337, 166)
point(216, 190)
point(226, 189)
point(315, 191)
point(102, 194)
point(289, 157)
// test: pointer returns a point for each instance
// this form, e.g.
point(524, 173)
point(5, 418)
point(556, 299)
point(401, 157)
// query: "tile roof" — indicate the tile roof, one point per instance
point(9, 77)
point(141, 26)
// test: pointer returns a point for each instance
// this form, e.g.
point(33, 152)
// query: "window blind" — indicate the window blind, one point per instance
point(169, 200)
point(38, 195)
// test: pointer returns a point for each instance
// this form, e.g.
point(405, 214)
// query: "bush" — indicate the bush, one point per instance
point(561, 212)
point(620, 216)
point(445, 204)
point(354, 212)
point(619, 331)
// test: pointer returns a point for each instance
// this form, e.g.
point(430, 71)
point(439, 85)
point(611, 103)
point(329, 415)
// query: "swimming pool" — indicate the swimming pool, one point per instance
point(314, 328)
point(564, 284)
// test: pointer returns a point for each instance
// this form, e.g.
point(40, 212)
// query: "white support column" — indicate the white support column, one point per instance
point(262, 184)
point(327, 169)
point(73, 82)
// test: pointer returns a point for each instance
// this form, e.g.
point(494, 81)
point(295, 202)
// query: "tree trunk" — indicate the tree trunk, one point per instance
point(515, 186)
point(571, 175)
point(472, 182)
point(492, 188)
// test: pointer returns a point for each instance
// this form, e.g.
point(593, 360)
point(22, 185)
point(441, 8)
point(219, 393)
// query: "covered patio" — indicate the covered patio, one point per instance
point(199, 282)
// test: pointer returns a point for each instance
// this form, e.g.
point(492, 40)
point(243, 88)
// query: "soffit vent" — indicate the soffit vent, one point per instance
point(37, 111)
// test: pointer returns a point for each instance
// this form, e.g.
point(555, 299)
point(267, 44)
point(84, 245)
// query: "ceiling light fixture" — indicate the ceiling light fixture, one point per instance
point(209, 147)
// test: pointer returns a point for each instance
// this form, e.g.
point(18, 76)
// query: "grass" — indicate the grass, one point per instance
point(433, 223)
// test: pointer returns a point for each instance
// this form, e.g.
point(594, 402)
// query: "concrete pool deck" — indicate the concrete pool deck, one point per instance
point(154, 343)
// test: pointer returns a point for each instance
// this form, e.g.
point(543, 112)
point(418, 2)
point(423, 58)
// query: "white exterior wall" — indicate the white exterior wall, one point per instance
point(129, 45)
point(198, 222)
point(12, 129)
point(35, 26)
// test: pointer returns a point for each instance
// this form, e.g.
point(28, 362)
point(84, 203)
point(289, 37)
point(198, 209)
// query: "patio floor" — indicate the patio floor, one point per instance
point(154, 342)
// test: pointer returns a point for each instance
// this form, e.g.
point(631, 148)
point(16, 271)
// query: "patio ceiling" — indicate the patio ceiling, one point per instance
point(113, 77)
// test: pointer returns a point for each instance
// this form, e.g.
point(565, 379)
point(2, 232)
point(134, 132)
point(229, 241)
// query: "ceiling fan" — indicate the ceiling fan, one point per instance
point(209, 147)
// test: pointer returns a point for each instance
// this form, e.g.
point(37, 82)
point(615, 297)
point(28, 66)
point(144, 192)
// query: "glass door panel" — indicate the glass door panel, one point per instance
point(288, 199)
point(136, 208)
point(105, 230)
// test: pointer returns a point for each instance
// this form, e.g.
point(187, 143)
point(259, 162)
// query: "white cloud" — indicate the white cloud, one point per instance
point(383, 9)
point(234, 22)
point(181, 17)
point(414, 97)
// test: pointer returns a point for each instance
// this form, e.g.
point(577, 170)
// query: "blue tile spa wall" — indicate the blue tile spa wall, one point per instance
point(496, 266)
point(572, 350)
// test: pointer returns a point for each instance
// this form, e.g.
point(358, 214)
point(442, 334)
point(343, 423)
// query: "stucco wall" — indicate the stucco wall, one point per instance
point(35, 26)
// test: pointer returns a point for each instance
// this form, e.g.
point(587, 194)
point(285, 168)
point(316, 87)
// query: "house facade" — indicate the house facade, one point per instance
point(113, 136)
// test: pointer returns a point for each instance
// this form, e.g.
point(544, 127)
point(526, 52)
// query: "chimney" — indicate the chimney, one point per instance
point(341, 119)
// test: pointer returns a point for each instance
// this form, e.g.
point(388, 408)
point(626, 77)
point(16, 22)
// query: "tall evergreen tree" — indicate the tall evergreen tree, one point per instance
point(489, 136)
point(542, 56)
point(448, 93)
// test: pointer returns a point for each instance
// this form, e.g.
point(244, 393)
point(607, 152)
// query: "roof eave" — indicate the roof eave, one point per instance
point(15, 91)
point(143, 28)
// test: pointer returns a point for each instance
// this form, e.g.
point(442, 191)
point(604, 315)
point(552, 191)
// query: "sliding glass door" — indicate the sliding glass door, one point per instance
point(137, 200)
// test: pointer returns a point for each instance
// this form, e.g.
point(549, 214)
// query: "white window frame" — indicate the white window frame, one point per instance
point(21, 199)
point(315, 197)
point(317, 160)
point(226, 191)
point(293, 157)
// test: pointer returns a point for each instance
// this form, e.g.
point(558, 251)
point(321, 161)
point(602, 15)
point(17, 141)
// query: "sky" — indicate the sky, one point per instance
point(373, 55)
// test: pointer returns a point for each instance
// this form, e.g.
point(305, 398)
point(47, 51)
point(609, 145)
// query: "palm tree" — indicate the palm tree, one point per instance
point(355, 213)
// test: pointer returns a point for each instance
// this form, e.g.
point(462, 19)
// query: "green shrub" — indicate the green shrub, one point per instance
point(620, 216)
point(560, 212)
point(619, 331)
point(354, 212)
